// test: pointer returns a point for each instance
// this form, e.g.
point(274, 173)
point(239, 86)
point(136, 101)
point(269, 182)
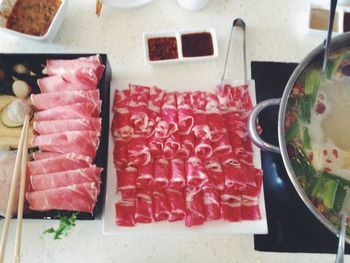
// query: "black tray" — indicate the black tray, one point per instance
point(36, 62)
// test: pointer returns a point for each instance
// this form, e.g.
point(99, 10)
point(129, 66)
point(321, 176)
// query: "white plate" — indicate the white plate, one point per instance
point(109, 226)
point(127, 4)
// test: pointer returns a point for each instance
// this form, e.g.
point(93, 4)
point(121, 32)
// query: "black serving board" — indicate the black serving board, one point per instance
point(36, 62)
point(292, 226)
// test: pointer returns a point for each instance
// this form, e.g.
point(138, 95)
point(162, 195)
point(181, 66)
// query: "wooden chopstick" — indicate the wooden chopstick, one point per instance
point(22, 189)
point(98, 7)
point(13, 190)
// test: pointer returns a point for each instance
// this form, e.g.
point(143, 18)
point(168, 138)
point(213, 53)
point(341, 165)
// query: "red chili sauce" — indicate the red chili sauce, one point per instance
point(197, 44)
point(162, 48)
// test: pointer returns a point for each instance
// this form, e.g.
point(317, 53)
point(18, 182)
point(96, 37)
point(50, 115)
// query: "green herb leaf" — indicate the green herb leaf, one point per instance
point(67, 222)
point(292, 131)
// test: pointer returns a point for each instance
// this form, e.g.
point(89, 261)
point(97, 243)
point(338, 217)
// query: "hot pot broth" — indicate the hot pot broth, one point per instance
point(317, 128)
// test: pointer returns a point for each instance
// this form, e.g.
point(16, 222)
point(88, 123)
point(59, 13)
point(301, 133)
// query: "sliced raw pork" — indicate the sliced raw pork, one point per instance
point(46, 101)
point(77, 197)
point(58, 126)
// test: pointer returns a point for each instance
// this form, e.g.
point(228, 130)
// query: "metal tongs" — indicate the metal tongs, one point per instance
point(236, 23)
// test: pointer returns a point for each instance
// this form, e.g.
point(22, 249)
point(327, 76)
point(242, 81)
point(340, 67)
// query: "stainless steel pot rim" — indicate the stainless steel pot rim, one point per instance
point(337, 43)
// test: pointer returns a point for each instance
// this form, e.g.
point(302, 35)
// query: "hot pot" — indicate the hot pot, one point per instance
point(294, 156)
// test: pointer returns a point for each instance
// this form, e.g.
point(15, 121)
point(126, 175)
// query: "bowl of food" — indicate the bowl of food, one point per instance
point(313, 126)
point(33, 19)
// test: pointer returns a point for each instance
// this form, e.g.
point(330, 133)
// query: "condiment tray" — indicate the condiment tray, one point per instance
point(206, 37)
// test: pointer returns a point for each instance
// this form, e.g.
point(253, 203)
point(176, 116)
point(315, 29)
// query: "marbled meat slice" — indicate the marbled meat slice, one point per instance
point(154, 105)
point(46, 101)
point(196, 173)
point(215, 173)
point(186, 146)
point(144, 206)
point(121, 154)
point(161, 174)
point(177, 205)
point(156, 146)
point(168, 124)
point(126, 183)
point(203, 148)
point(79, 142)
point(215, 119)
point(160, 206)
point(58, 126)
point(77, 197)
point(177, 174)
point(139, 154)
point(73, 111)
point(185, 113)
point(231, 205)
point(69, 81)
point(125, 212)
point(122, 127)
point(60, 179)
point(45, 155)
point(200, 128)
point(195, 214)
point(88, 65)
point(144, 177)
point(222, 147)
point(138, 107)
point(171, 146)
point(63, 162)
point(211, 201)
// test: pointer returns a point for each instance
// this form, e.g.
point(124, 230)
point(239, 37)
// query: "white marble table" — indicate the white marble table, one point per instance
point(276, 31)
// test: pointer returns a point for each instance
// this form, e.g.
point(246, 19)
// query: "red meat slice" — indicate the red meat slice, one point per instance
point(211, 201)
point(79, 142)
point(231, 205)
point(139, 153)
point(250, 207)
point(145, 176)
point(200, 127)
point(125, 213)
point(186, 146)
point(54, 180)
point(171, 146)
point(46, 101)
point(177, 174)
point(69, 81)
point(121, 126)
point(58, 126)
point(144, 207)
point(168, 124)
point(160, 206)
point(215, 173)
point(121, 100)
point(235, 177)
point(126, 183)
point(222, 147)
point(161, 174)
point(196, 173)
point(77, 197)
point(185, 113)
point(194, 207)
point(139, 96)
point(154, 105)
point(176, 200)
point(63, 162)
point(74, 111)
point(88, 65)
point(203, 148)
point(121, 154)
point(156, 146)
point(215, 119)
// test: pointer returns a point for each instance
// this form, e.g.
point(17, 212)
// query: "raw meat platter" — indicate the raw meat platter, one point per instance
point(116, 214)
point(67, 96)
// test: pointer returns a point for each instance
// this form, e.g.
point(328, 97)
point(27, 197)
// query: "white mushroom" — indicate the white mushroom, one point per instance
point(21, 89)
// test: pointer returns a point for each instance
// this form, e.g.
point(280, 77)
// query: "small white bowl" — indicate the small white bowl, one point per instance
point(51, 31)
point(177, 34)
